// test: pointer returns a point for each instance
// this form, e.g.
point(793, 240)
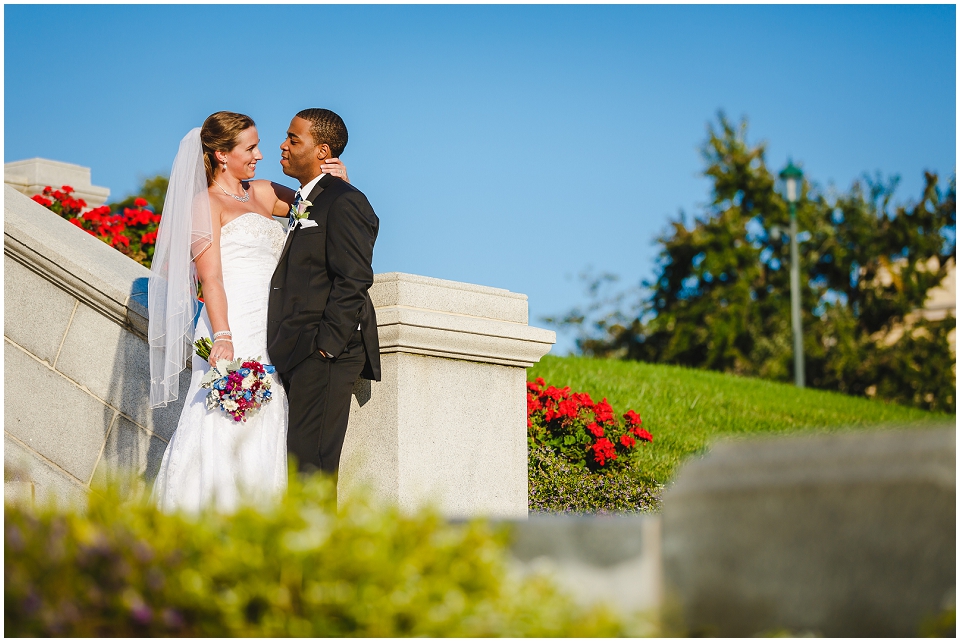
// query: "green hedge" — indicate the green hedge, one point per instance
point(557, 486)
point(121, 568)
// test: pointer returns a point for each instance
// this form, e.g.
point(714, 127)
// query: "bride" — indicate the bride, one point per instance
point(217, 226)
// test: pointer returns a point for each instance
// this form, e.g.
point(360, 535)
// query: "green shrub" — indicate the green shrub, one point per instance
point(297, 569)
point(586, 432)
point(557, 486)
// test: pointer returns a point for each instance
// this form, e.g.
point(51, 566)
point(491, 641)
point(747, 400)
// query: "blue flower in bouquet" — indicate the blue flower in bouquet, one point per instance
point(239, 388)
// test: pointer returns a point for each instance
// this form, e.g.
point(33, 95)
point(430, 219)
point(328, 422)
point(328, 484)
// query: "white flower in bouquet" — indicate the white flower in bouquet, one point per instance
point(248, 381)
point(229, 405)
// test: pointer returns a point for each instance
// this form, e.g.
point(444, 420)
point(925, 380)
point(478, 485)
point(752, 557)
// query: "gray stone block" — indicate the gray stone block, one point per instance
point(163, 421)
point(111, 362)
point(114, 364)
point(17, 492)
point(848, 534)
point(36, 313)
point(51, 415)
point(608, 560)
point(50, 483)
point(420, 439)
point(131, 457)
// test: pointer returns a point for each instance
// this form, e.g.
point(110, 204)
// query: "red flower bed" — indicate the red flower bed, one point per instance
point(588, 433)
point(134, 232)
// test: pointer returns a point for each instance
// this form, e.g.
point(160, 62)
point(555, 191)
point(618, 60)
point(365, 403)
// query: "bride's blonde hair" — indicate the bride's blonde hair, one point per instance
point(219, 134)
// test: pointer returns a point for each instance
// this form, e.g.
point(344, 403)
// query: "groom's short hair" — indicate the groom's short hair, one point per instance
point(326, 127)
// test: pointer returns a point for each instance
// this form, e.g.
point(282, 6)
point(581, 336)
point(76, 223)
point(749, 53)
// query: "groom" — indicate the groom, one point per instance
point(321, 325)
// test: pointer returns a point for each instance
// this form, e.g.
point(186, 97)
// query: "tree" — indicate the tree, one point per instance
point(154, 190)
point(721, 299)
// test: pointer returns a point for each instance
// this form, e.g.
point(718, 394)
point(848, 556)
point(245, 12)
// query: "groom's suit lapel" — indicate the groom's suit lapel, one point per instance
point(314, 193)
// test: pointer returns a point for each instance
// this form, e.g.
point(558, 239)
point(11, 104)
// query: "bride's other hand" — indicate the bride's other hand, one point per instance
point(335, 167)
point(221, 350)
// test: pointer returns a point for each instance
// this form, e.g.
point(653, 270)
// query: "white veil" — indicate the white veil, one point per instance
point(185, 232)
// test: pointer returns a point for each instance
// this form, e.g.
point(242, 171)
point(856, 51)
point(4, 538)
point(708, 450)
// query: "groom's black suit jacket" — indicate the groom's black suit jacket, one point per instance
point(318, 293)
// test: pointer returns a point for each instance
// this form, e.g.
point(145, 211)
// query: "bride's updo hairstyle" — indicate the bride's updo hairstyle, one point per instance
point(219, 134)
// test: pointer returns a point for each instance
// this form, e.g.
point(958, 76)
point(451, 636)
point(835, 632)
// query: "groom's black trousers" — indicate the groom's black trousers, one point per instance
point(318, 391)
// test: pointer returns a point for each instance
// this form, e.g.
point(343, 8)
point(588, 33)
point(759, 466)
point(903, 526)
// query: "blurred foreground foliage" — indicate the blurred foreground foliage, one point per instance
point(121, 568)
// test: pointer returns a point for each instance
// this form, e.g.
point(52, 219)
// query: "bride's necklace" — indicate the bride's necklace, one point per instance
point(243, 199)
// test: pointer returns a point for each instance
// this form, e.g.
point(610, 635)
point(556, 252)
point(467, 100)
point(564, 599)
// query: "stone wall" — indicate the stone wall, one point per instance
point(75, 356)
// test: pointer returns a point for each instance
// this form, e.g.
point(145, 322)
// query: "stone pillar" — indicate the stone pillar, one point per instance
point(447, 424)
point(31, 176)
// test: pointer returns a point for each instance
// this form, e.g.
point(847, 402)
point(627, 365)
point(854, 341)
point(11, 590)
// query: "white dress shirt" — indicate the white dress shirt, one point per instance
point(306, 189)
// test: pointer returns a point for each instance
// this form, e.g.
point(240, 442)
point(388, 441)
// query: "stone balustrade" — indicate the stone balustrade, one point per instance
point(446, 425)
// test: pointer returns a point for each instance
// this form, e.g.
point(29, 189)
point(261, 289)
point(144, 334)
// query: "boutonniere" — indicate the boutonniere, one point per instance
point(299, 213)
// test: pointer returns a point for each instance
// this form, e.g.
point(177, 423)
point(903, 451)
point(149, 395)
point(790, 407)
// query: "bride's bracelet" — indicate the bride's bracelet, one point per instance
point(223, 340)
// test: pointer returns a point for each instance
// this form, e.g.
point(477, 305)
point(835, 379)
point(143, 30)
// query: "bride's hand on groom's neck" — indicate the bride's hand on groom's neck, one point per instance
point(335, 167)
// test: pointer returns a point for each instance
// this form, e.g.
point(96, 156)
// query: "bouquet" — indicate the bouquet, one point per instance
point(239, 387)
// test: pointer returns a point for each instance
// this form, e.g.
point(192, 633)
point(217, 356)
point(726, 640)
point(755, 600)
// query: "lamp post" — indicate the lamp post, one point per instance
point(792, 176)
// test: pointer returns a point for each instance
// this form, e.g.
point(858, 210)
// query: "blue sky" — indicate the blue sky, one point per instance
point(511, 146)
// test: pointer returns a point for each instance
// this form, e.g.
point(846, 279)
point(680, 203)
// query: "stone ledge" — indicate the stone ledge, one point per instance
point(58, 251)
point(451, 297)
point(439, 334)
point(841, 458)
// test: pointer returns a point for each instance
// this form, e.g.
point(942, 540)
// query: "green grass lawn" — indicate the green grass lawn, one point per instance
point(686, 409)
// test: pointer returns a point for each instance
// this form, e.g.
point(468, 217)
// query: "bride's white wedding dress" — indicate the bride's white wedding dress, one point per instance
point(213, 460)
